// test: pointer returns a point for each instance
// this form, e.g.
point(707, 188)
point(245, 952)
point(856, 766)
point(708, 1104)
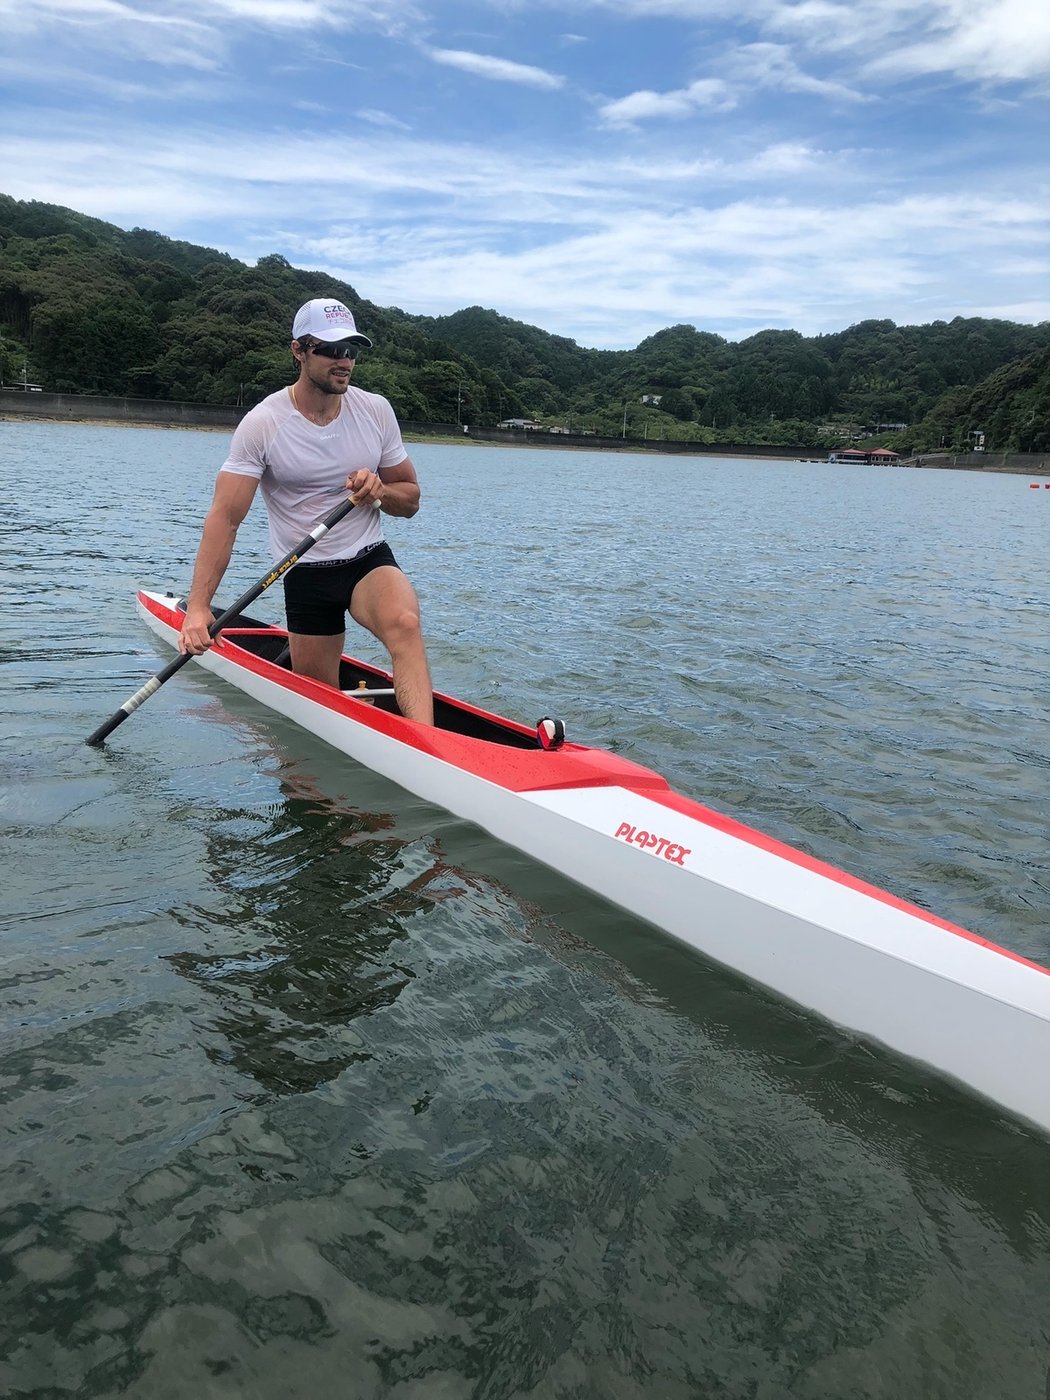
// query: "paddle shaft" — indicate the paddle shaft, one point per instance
point(278, 571)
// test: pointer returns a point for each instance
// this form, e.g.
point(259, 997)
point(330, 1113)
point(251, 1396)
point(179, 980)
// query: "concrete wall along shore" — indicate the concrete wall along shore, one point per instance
point(162, 413)
point(165, 413)
point(20, 403)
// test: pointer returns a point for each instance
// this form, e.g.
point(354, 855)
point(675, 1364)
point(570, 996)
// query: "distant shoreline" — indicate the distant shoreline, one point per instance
point(185, 419)
point(60, 420)
point(433, 439)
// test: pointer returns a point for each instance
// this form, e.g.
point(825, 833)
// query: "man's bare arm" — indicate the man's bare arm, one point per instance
point(394, 489)
point(233, 496)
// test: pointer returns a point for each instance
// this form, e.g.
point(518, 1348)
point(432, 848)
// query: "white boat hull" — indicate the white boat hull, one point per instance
point(861, 958)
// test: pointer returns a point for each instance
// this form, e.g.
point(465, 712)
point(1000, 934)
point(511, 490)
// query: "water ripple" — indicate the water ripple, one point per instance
point(310, 1088)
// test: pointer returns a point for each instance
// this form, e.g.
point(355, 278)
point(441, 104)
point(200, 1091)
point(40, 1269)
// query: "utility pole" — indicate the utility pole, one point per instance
point(624, 433)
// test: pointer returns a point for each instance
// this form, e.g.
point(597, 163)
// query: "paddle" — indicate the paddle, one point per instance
point(154, 683)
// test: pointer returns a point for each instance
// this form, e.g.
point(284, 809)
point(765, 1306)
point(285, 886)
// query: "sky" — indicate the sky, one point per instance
point(599, 168)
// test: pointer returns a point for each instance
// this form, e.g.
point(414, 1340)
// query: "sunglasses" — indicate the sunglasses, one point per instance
point(345, 350)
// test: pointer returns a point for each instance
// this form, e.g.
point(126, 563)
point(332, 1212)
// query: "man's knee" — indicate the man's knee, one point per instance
point(404, 628)
point(397, 626)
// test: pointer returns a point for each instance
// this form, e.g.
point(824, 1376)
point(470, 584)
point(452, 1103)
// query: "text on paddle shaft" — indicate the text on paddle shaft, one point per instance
point(659, 845)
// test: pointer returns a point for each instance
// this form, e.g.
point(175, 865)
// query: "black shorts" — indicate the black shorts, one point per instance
point(316, 596)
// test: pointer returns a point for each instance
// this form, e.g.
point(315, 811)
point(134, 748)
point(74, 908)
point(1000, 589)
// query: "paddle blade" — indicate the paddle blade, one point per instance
point(131, 705)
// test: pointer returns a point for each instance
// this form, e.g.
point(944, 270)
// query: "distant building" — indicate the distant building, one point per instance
point(522, 423)
point(651, 398)
point(857, 456)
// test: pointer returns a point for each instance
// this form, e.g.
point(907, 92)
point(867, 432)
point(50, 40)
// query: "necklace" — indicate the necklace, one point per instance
point(319, 419)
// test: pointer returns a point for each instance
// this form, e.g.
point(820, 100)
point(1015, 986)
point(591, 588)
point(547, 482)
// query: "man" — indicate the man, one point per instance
point(308, 445)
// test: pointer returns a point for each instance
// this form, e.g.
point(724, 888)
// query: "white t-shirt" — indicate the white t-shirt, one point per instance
point(302, 468)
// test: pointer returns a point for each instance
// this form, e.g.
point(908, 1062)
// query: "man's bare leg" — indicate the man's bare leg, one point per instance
point(385, 603)
point(317, 657)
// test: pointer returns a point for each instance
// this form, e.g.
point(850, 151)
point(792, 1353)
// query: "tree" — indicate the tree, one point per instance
point(92, 308)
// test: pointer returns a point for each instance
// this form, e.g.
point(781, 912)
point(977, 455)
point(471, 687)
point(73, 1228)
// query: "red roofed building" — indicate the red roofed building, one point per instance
point(877, 456)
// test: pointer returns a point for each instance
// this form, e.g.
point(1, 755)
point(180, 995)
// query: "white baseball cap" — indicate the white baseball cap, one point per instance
point(327, 320)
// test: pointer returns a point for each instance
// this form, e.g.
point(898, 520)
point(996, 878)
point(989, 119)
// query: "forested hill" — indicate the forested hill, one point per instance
point(86, 307)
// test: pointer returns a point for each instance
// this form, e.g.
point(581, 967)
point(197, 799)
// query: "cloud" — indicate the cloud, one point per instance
point(733, 269)
point(385, 177)
point(602, 247)
point(787, 158)
point(683, 102)
point(195, 32)
point(89, 12)
point(983, 41)
point(698, 11)
point(1007, 41)
point(980, 41)
point(772, 68)
point(172, 39)
point(376, 118)
point(750, 68)
point(501, 70)
point(832, 27)
point(391, 17)
point(277, 14)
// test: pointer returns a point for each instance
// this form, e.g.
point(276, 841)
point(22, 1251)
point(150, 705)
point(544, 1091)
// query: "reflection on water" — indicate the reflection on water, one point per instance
point(292, 971)
point(433, 1138)
point(311, 1089)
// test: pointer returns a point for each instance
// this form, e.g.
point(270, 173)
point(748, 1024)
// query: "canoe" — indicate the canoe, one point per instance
point(854, 954)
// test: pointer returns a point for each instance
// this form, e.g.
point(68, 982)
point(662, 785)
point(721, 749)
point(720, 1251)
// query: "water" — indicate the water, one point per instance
point(313, 1090)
